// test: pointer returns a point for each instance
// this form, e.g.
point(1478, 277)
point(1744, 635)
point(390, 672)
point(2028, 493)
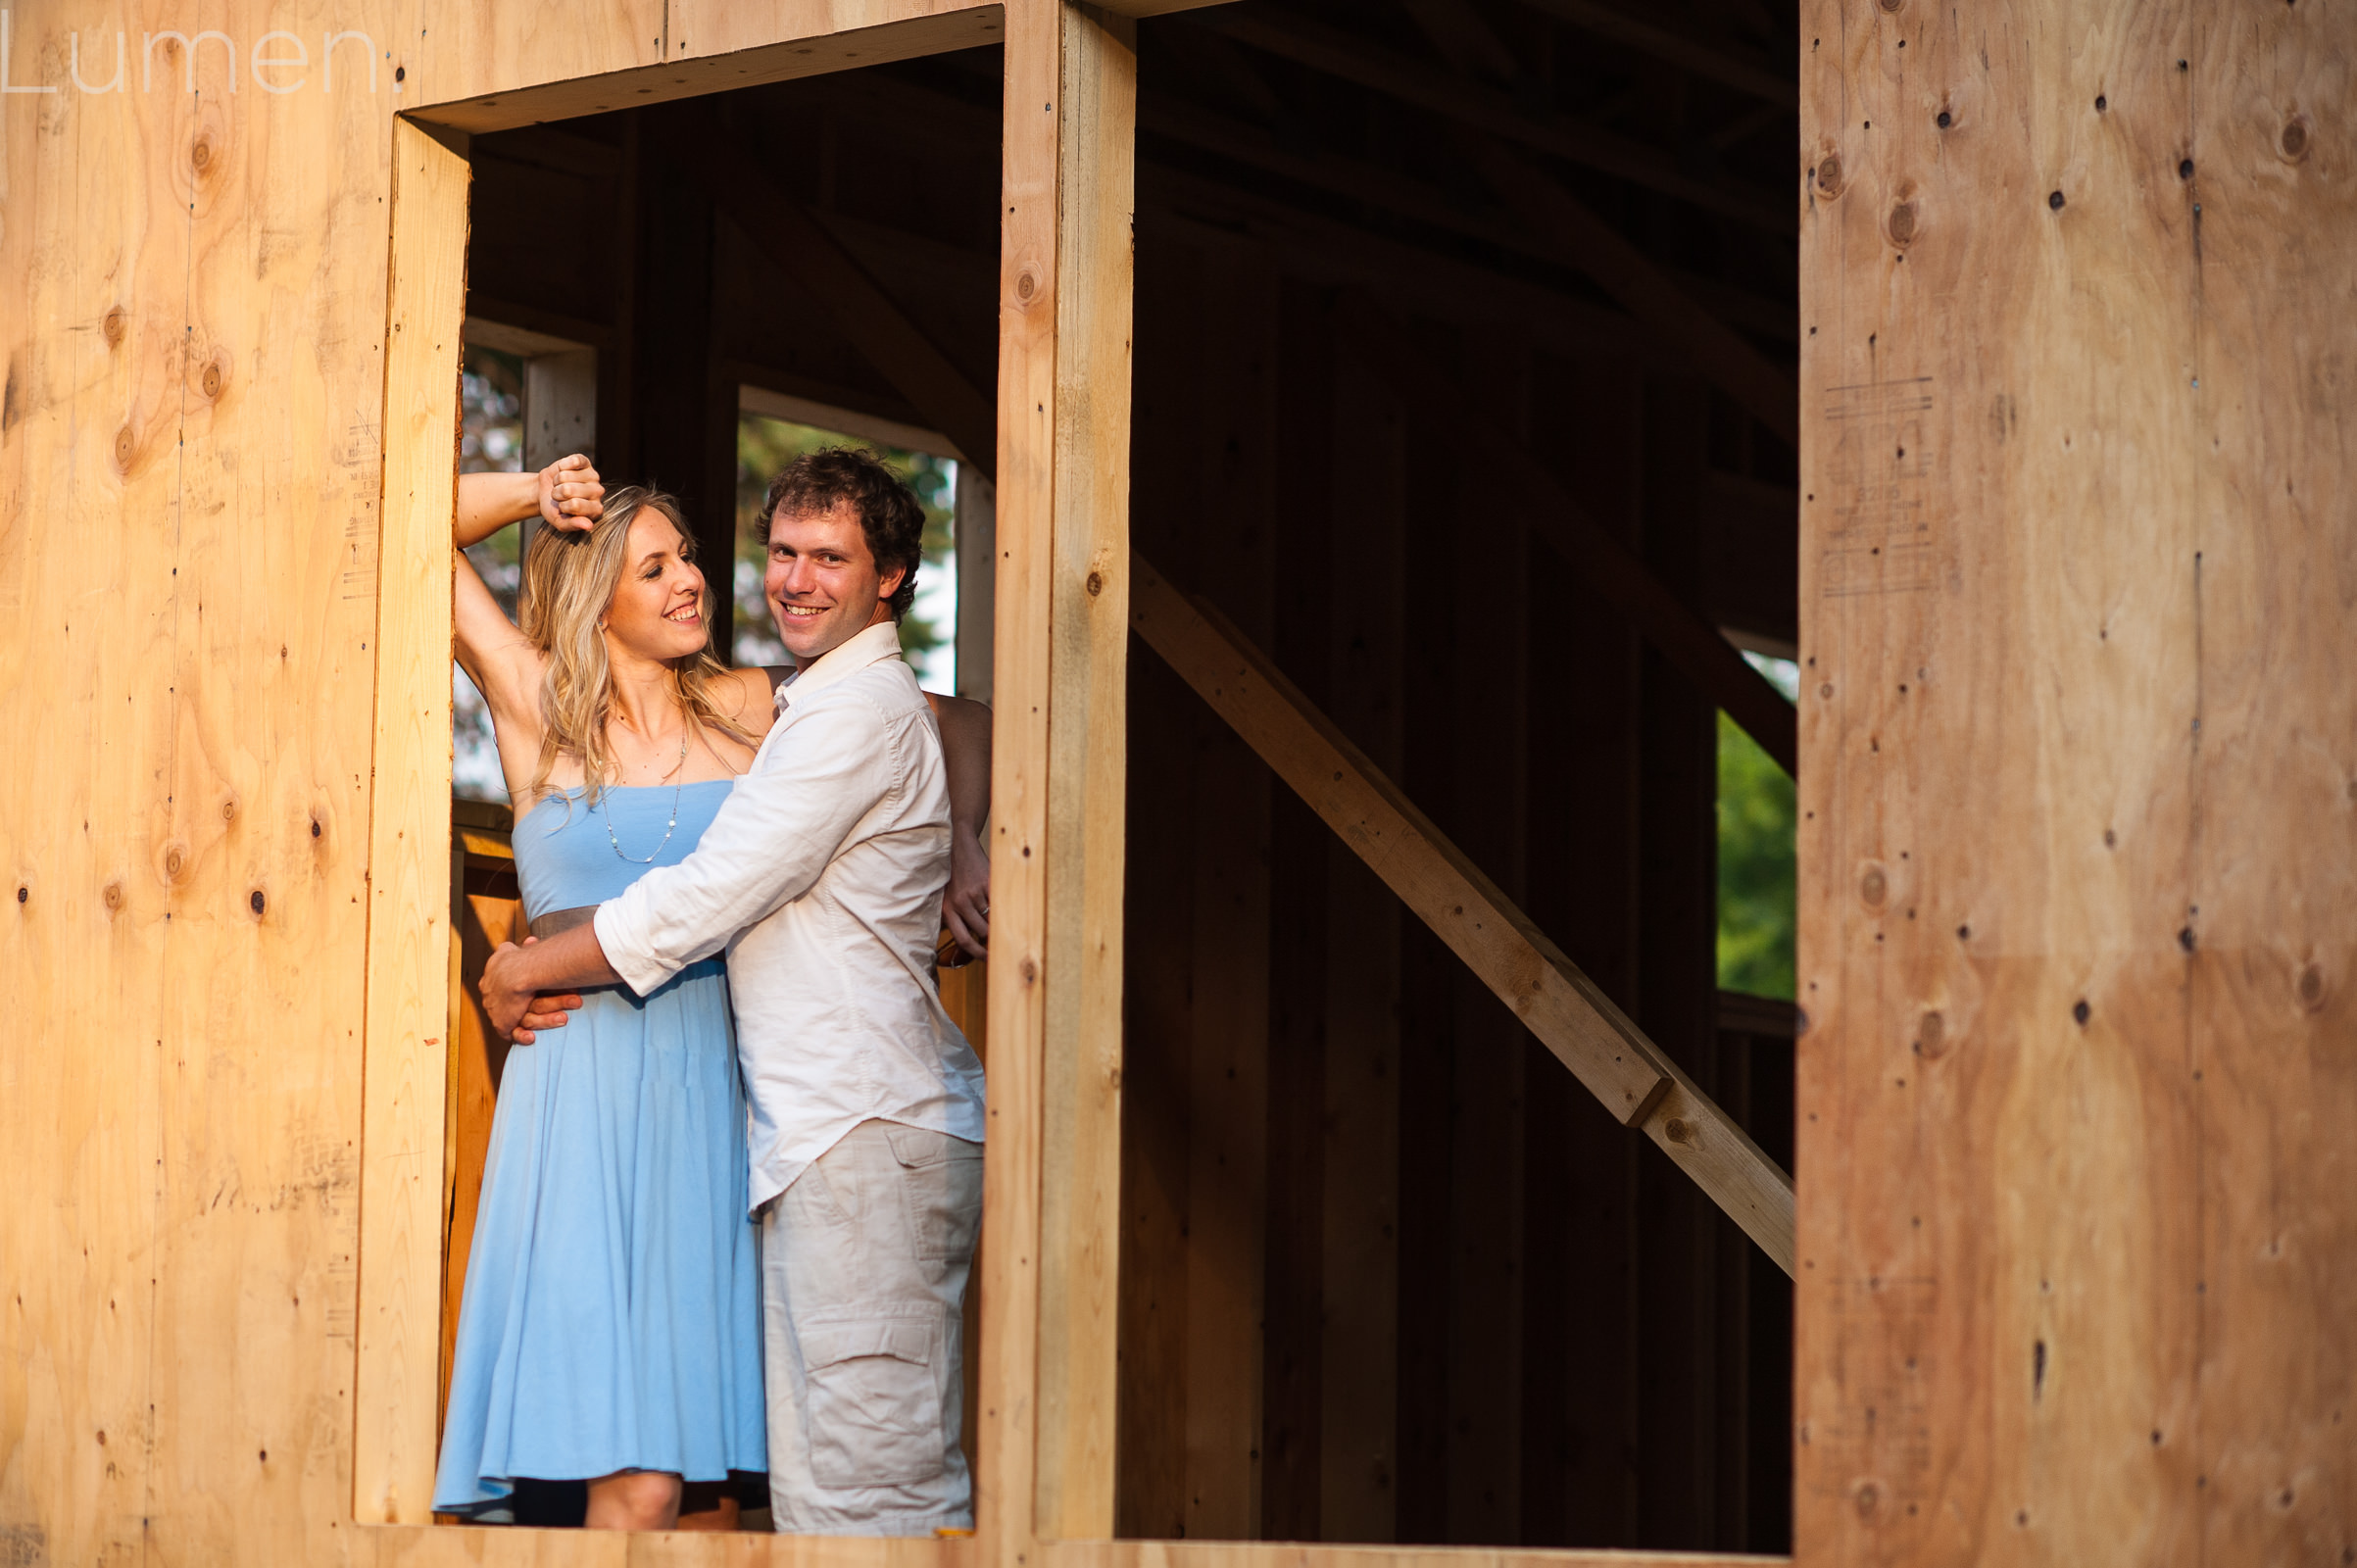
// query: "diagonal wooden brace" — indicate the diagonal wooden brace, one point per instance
point(1603, 1049)
point(1546, 990)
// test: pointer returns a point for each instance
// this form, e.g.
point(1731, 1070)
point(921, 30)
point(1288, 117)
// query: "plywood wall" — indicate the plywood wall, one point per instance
point(189, 488)
point(2078, 1216)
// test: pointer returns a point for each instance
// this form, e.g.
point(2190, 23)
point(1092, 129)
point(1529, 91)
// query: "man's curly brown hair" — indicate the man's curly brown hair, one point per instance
point(890, 514)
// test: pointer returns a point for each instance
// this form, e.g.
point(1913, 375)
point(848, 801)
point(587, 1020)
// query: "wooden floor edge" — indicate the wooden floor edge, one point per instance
point(1324, 1554)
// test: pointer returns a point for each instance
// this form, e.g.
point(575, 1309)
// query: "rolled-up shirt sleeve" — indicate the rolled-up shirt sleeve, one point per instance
point(778, 830)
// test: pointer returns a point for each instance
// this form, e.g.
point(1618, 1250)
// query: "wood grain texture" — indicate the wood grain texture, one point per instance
point(2077, 812)
point(1053, 1179)
point(1583, 1028)
point(396, 1390)
point(1285, 1554)
point(1089, 580)
point(1384, 828)
point(625, 60)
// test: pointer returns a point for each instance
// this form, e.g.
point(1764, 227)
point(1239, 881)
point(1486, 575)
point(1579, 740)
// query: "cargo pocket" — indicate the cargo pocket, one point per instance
point(943, 1187)
point(874, 1405)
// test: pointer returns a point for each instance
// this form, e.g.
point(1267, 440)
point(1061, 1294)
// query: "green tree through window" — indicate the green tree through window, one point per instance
point(1757, 864)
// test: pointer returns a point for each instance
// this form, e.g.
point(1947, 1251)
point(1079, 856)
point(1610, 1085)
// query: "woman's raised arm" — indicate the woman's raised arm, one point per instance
point(566, 493)
point(503, 666)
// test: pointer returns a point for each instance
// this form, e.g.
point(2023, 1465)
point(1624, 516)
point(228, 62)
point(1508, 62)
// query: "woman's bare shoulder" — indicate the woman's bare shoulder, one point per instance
point(744, 696)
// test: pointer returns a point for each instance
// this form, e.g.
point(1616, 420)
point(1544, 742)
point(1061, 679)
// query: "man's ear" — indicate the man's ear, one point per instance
point(889, 583)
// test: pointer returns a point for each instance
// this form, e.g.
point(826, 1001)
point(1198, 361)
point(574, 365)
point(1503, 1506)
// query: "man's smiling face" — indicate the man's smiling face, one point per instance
point(822, 581)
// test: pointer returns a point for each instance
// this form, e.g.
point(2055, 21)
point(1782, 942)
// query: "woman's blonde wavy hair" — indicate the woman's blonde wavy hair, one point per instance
point(568, 583)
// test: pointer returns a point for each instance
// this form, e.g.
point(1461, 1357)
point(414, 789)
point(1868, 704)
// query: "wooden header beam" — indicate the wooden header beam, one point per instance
point(1571, 1016)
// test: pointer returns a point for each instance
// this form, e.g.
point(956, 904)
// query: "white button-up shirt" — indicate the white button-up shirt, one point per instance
point(822, 876)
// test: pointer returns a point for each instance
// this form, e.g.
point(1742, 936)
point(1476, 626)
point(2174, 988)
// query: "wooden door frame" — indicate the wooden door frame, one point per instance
point(1048, 1277)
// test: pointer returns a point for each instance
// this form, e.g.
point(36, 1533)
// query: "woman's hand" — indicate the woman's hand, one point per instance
point(571, 497)
point(965, 907)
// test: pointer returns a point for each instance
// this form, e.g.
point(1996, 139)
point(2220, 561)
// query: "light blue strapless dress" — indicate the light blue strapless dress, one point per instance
point(612, 1315)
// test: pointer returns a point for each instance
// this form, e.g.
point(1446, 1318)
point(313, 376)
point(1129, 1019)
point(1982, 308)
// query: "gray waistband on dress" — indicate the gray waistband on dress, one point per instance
point(548, 925)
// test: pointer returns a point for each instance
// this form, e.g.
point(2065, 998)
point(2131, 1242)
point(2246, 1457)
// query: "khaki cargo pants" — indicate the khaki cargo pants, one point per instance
point(863, 1271)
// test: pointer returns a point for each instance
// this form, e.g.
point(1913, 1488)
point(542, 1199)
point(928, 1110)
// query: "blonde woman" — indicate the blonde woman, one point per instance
point(610, 1331)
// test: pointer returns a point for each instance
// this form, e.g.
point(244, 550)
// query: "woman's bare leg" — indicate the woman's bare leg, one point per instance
point(634, 1499)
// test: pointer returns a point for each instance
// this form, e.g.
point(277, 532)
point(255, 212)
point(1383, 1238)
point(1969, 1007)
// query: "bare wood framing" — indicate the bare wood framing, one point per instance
point(1726, 69)
point(806, 251)
point(396, 1387)
point(1054, 1173)
point(719, 48)
point(1692, 644)
point(1290, 1554)
point(1574, 1020)
point(1629, 276)
point(1492, 111)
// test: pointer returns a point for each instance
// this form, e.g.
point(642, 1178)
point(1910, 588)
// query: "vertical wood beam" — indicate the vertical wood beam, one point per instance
point(1054, 1168)
point(1484, 729)
point(1349, 468)
point(397, 1382)
point(1225, 428)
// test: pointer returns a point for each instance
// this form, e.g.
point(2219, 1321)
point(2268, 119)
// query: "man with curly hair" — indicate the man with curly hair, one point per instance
point(822, 878)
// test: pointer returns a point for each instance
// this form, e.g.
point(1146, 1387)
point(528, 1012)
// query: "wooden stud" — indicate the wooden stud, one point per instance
point(1347, 472)
point(1053, 1172)
point(396, 1388)
point(1485, 733)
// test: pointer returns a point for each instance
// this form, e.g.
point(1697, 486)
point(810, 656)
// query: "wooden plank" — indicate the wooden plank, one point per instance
point(2077, 817)
point(395, 1388)
point(1714, 62)
point(1167, 730)
point(1584, 1472)
point(1690, 642)
point(476, 1065)
point(96, 254)
point(1296, 552)
point(1287, 1554)
point(715, 46)
point(1048, 1369)
point(1386, 830)
point(1081, 1163)
point(1348, 472)
point(1629, 276)
point(1493, 111)
point(1139, 10)
point(2271, 1009)
point(683, 429)
point(1486, 741)
point(460, 51)
point(809, 253)
point(1678, 1295)
point(1223, 444)
point(1581, 1025)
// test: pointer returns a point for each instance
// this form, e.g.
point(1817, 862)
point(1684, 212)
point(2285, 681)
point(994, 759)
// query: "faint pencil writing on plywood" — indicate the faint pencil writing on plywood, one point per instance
point(1882, 463)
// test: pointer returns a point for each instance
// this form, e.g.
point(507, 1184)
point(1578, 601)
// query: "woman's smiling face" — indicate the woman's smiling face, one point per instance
point(658, 607)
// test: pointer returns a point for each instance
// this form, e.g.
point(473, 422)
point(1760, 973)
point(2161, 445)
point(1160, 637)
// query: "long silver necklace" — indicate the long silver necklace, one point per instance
point(671, 827)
